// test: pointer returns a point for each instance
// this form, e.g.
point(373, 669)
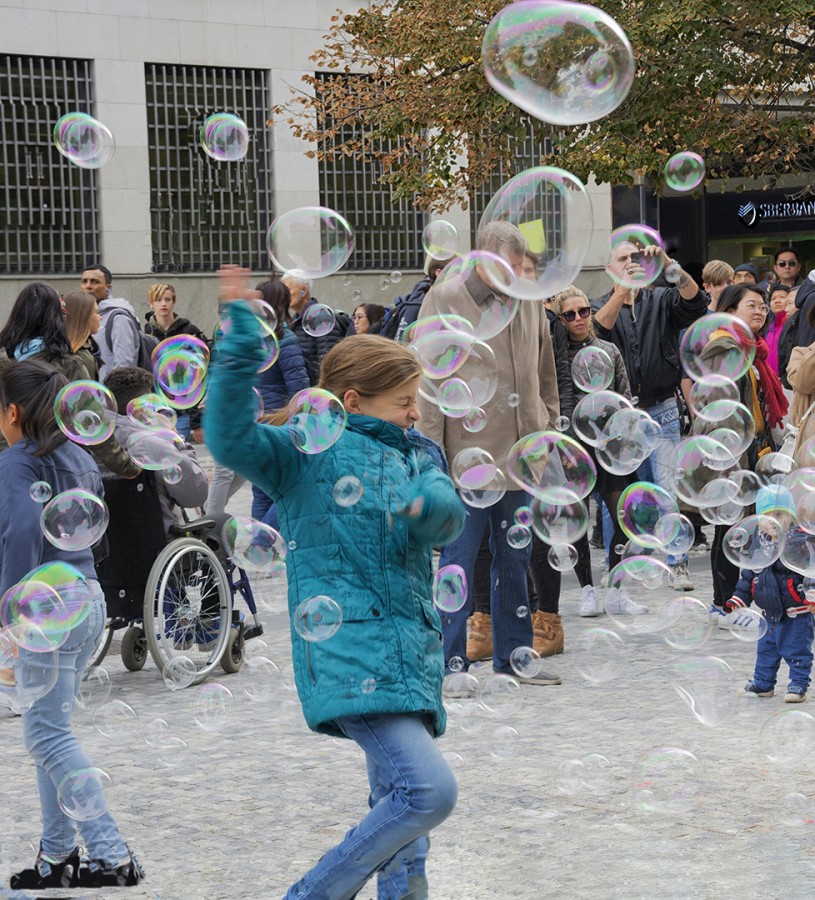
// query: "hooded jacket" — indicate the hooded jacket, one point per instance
point(124, 339)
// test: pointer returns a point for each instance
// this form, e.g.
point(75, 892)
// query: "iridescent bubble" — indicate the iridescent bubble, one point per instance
point(260, 678)
point(81, 794)
point(749, 626)
point(629, 437)
point(214, 705)
point(311, 241)
point(348, 491)
point(684, 171)
point(551, 466)
point(592, 369)
point(788, 737)
point(74, 520)
point(688, 624)
point(440, 239)
point(754, 543)
point(172, 475)
point(563, 63)
point(499, 695)
point(152, 411)
point(253, 546)
point(729, 423)
point(475, 420)
point(600, 655)
point(85, 412)
point(179, 371)
point(441, 351)
point(179, 672)
point(644, 268)
point(83, 140)
point(524, 516)
point(519, 536)
point(480, 482)
point(316, 420)
point(317, 618)
point(155, 450)
point(224, 137)
point(707, 685)
point(455, 398)
point(116, 720)
point(559, 243)
point(799, 553)
point(591, 414)
point(674, 533)
point(318, 320)
point(40, 492)
point(562, 557)
point(450, 588)
point(667, 781)
point(564, 522)
point(699, 461)
point(525, 662)
point(709, 391)
point(717, 344)
point(640, 508)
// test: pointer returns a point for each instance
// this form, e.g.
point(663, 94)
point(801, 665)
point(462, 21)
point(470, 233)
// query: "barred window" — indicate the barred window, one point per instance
point(205, 212)
point(387, 235)
point(527, 153)
point(50, 221)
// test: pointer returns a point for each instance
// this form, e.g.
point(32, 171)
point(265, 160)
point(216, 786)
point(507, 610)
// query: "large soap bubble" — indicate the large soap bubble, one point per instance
point(592, 369)
point(718, 344)
point(311, 241)
point(754, 543)
point(317, 618)
point(684, 171)
point(83, 140)
point(592, 413)
point(74, 520)
point(440, 239)
point(563, 63)
point(641, 269)
point(155, 449)
point(560, 524)
point(631, 435)
point(152, 411)
point(254, 546)
point(316, 420)
point(85, 411)
point(640, 509)
point(551, 210)
point(552, 467)
point(224, 137)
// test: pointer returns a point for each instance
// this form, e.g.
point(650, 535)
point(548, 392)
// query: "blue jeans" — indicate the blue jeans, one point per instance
point(508, 589)
point(183, 425)
point(660, 467)
point(412, 791)
point(790, 640)
point(54, 749)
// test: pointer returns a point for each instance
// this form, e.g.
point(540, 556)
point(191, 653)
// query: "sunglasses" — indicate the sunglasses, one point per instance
point(584, 312)
point(787, 263)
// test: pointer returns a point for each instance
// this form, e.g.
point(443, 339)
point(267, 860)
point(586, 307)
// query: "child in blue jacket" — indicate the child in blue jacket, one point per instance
point(778, 591)
point(377, 679)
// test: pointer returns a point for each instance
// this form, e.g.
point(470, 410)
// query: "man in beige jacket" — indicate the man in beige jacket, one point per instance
point(526, 401)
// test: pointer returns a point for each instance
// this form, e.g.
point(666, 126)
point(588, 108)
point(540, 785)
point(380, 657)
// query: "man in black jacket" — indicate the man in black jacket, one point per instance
point(644, 323)
point(406, 308)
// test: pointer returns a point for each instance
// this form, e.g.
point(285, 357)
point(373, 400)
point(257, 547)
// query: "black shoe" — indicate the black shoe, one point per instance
point(48, 874)
point(98, 874)
point(596, 540)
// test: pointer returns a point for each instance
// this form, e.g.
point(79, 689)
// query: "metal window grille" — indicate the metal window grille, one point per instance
point(527, 153)
point(205, 212)
point(49, 221)
point(387, 235)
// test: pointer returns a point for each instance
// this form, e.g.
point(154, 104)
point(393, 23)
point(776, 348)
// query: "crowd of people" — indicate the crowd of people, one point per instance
point(375, 556)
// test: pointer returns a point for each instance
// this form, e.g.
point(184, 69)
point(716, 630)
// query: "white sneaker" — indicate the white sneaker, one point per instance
point(589, 602)
point(738, 621)
point(620, 604)
point(679, 579)
point(717, 615)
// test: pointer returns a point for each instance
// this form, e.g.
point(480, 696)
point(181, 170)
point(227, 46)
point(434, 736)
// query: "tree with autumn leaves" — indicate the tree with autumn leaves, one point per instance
point(732, 81)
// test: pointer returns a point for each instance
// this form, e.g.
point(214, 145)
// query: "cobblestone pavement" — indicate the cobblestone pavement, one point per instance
point(552, 801)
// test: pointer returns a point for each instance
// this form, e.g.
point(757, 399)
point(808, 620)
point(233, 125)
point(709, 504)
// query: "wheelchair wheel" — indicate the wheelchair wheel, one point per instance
point(187, 606)
point(102, 647)
point(134, 649)
point(232, 658)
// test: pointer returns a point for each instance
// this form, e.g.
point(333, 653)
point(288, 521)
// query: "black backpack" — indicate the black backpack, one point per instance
point(147, 342)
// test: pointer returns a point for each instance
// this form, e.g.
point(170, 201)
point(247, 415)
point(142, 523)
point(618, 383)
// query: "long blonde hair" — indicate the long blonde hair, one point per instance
point(567, 294)
point(366, 363)
point(81, 307)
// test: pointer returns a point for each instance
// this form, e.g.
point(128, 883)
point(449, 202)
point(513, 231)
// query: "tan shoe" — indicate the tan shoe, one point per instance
point(7, 677)
point(547, 633)
point(479, 637)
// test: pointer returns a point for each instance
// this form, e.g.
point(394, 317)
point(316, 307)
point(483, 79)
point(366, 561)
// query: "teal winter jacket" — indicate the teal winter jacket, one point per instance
point(376, 563)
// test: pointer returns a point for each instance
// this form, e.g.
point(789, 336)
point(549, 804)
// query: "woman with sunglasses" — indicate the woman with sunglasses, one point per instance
point(572, 307)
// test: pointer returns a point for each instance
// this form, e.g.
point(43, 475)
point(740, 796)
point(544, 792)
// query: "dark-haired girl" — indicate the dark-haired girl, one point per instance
point(38, 451)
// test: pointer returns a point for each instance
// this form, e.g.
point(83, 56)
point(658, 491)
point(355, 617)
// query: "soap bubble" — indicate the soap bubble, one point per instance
point(732, 425)
point(687, 623)
point(317, 618)
point(674, 533)
point(152, 411)
point(81, 794)
point(798, 553)
point(708, 685)
point(214, 705)
point(316, 420)
point(440, 239)
point(450, 588)
point(519, 536)
point(116, 720)
point(311, 241)
point(441, 351)
point(551, 466)
point(709, 391)
point(524, 515)
point(455, 398)
point(640, 508)
point(600, 655)
point(499, 695)
point(684, 171)
point(645, 270)
point(179, 672)
point(40, 675)
point(563, 63)
point(347, 491)
point(85, 412)
point(525, 662)
point(717, 344)
point(562, 557)
point(503, 742)
point(475, 420)
point(754, 543)
point(699, 461)
point(787, 738)
point(74, 520)
point(592, 413)
point(83, 140)
point(644, 580)
point(629, 438)
point(318, 320)
point(559, 242)
point(154, 449)
point(95, 688)
point(564, 522)
point(260, 678)
point(667, 781)
point(592, 369)
point(253, 546)
point(179, 372)
point(40, 492)
point(480, 482)
point(748, 625)
point(224, 137)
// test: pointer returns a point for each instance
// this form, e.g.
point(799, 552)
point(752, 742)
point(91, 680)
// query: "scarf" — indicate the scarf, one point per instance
point(775, 401)
point(29, 348)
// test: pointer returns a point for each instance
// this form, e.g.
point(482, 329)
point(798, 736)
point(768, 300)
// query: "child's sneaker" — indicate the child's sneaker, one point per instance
point(755, 691)
point(98, 873)
point(795, 695)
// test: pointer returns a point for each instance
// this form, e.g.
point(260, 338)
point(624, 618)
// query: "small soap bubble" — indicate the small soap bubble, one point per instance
point(253, 546)
point(214, 705)
point(172, 475)
point(83, 140)
point(116, 720)
point(524, 516)
point(317, 420)
point(522, 612)
point(562, 557)
point(684, 171)
point(311, 241)
point(519, 536)
point(260, 678)
point(667, 781)
point(450, 588)
point(525, 662)
point(456, 664)
point(503, 742)
point(40, 492)
point(600, 655)
point(179, 672)
point(224, 137)
point(562, 423)
point(475, 420)
point(499, 694)
point(81, 794)
point(368, 685)
point(318, 320)
point(440, 239)
point(384, 284)
point(348, 491)
point(396, 277)
point(74, 520)
point(513, 400)
point(292, 545)
point(317, 618)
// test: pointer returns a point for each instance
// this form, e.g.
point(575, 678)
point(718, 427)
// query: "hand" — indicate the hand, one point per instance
point(733, 603)
point(412, 510)
point(197, 435)
point(233, 284)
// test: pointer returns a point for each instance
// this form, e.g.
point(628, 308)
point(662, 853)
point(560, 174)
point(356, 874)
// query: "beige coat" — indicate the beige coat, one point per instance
point(801, 376)
point(527, 396)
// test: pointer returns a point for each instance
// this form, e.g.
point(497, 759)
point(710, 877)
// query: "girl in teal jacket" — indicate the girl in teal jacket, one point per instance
point(377, 679)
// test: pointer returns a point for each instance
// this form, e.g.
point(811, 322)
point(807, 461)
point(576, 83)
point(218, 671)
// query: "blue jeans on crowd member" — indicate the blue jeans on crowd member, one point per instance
point(412, 791)
point(660, 467)
point(508, 590)
point(183, 425)
point(53, 747)
point(790, 640)
point(260, 503)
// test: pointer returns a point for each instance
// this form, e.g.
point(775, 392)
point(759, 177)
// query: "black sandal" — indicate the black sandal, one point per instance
point(98, 873)
point(47, 874)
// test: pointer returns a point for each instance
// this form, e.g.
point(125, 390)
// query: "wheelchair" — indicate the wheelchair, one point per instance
point(173, 599)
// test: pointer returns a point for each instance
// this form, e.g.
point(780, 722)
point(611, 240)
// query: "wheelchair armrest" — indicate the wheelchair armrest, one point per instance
point(197, 526)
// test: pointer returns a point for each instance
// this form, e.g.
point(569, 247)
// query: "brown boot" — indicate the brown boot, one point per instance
point(479, 637)
point(547, 633)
